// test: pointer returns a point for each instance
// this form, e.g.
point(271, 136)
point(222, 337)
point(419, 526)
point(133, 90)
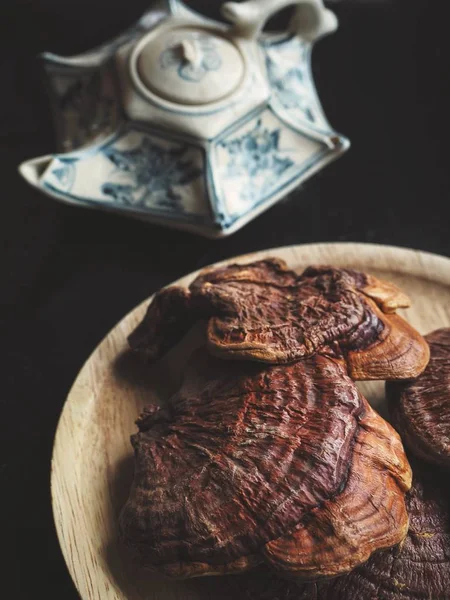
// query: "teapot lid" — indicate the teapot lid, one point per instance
point(187, 65)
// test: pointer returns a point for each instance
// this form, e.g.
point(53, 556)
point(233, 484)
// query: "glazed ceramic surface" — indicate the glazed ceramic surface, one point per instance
point(190, 122)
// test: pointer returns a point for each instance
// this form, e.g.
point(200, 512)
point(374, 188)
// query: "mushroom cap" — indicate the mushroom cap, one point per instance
point(249, 463)
point(367, 515)
point(267, 313)
point(420, 409)
point(417, 568)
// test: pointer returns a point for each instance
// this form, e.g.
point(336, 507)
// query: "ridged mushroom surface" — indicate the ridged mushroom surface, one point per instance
point(267, 313)
point(417, 569)
point(250, 463)
point(420, 409)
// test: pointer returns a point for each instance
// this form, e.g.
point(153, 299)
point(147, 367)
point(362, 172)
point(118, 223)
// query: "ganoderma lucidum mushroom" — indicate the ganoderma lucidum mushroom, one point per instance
point(273, 456)
point(418, 569)
point(420, 409)
point(265, 312)
point(251, 463)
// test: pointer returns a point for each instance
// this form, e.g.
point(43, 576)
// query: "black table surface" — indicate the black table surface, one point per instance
point(68, 275)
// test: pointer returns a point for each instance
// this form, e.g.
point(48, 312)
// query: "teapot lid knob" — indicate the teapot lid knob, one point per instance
point(189, 51)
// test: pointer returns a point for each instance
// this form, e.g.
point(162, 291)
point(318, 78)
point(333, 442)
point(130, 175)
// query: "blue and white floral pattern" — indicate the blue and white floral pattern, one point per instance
point(255, 155)
point(209, 59)
point(289, 91)
point(294, 96)
point(153, 172)
point(65, 172)
point(260, 160)
point(85, 102)
point(134, 170)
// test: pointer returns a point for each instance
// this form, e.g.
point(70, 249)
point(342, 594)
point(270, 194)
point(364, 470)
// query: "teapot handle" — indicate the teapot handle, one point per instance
point(311, 20)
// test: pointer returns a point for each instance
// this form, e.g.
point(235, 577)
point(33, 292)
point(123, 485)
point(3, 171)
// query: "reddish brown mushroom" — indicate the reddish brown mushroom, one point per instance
point(420, 409)
point(265, 312)
point(418, 569)
point(250, 463)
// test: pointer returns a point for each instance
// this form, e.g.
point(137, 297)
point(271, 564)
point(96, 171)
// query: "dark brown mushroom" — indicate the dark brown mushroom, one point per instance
point(418, 569)
point(420, 409)
point(265, 312)
point(250, 463)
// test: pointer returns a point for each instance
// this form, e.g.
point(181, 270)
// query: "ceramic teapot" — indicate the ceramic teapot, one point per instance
point(189, 122)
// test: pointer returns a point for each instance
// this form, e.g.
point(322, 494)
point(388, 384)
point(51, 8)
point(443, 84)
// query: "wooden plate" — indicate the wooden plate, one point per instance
point(92, 459)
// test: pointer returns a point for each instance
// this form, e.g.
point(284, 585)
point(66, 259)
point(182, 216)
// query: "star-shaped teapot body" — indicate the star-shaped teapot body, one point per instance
point(189, 122)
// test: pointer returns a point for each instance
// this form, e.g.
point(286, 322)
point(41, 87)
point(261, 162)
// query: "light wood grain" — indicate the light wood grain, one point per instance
point(92, 459)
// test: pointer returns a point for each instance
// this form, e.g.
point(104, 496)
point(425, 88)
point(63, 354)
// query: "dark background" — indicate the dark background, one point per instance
point(68, 275)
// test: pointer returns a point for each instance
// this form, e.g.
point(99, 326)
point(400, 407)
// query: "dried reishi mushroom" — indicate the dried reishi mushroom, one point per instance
point(418, 569)
point(265, 312)
point(169, 317)
point(368, 514)
point(420, 409)
point(250, 463)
